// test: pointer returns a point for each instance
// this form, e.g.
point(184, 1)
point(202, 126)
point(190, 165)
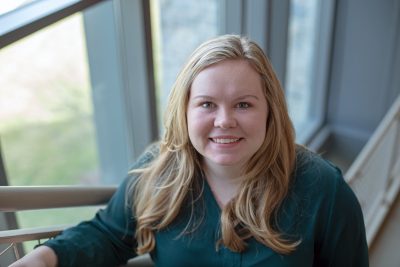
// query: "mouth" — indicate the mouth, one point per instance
point(225, 140)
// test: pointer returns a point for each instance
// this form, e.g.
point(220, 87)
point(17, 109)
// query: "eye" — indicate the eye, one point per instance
point(243, 105)
point(207, 104)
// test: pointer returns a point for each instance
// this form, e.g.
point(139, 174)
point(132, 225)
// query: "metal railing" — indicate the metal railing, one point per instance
point(374, 176)
point(20, 198)
point(17, 198)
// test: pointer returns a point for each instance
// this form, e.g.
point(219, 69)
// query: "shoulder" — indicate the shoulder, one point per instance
point(150, 153)
point(321, 187)
point(312, 169)
point(324, 211)
point(321, 182)
point(126, 188)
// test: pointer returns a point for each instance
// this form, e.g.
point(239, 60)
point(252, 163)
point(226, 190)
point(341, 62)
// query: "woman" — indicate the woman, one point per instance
point(226, 186)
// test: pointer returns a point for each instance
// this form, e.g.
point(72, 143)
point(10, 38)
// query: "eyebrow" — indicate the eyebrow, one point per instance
point(247, 96)
point(239, 98)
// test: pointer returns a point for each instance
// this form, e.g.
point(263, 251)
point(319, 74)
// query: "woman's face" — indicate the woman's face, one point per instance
point(227, 113)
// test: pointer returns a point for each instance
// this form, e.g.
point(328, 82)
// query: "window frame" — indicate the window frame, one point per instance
point(126, 128)
point(244, 16)
point(135, 124)
point(267, 23)
point(17, 24)
point(314, 132)
point(29, 18)
point(122, 63)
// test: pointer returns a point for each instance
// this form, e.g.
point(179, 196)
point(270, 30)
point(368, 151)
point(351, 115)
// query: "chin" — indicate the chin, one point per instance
point(226, 162)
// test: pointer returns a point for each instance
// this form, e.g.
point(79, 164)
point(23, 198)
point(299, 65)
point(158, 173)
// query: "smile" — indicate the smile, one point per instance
point(225, 140)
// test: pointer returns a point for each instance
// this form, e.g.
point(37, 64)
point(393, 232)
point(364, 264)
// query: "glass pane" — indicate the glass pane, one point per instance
point(46, 127)
point(300, 66)
point(179, 26)
point(47, 131)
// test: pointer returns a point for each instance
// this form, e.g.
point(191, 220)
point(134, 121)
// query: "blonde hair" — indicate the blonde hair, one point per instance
point(171, 179)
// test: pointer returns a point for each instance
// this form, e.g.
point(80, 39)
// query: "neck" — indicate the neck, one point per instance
point(224, 181)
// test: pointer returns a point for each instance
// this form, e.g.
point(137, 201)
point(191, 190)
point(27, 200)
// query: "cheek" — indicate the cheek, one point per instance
point(196, 125)
point(255, 122)
point(256, 127)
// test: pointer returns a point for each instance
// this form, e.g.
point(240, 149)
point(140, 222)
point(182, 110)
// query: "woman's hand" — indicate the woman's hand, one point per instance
point(40, 257)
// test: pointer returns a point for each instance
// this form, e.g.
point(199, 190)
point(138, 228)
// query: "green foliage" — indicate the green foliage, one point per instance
point(56, 153)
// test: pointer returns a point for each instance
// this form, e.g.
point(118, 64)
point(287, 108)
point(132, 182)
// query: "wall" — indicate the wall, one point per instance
point(365, 65)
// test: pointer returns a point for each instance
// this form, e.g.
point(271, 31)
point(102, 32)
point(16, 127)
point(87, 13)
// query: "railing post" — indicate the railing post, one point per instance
point(7, 219)
point(375, 173)
point(393, 182)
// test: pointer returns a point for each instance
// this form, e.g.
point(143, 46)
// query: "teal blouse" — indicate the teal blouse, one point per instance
point(320, 210)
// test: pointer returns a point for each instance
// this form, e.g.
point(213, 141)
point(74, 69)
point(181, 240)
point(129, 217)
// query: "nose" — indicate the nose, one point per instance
point(225, 119)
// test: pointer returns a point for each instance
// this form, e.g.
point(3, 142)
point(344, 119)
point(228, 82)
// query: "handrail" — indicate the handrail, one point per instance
point(365, 154)
point(375, 174)
point(16, 198)
point(29, 234)
point(37, 198)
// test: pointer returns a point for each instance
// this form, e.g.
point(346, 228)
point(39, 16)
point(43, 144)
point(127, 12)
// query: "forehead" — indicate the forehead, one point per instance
point(228, 76)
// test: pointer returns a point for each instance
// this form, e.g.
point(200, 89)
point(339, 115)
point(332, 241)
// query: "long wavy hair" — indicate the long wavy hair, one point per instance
point(166, 185)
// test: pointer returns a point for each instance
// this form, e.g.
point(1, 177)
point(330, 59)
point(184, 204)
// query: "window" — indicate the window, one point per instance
point(83, 132)
point(47, 132)
point(46, 128)
point(310, 26)
point(118, 100)
point(179, 26)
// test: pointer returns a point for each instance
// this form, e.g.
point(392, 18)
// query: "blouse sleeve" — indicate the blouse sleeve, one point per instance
point(106, 240)
point(342, 238)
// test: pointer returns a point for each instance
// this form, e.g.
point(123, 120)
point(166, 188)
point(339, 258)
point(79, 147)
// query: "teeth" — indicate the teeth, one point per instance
point(225, 141)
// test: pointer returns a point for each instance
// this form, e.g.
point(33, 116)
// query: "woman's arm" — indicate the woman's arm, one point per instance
point(343, 238)
point(41, 257)
point(106, 240)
